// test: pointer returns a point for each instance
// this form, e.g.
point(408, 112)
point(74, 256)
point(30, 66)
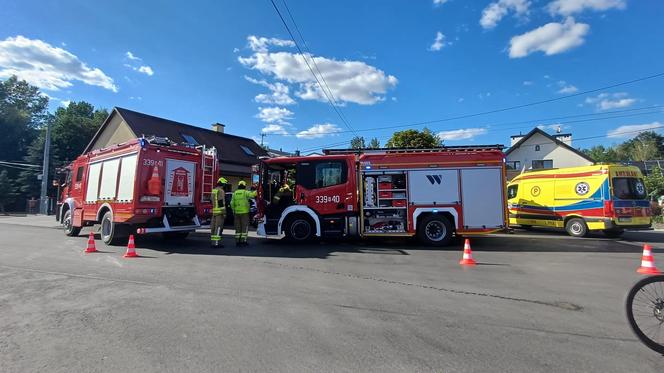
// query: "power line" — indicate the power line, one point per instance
point(520, 106)
point(306, 46)
point(535, 120)
point(540, 124)
point(329, 99)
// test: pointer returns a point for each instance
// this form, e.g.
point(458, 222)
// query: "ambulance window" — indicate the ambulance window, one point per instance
point(628, 188)
point(512, 190)
point(79, 174)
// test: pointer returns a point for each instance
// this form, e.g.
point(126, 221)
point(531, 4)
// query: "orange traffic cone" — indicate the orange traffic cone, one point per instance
point(648, 262)
point(131, 248)
point(91, 244)
point(467, 259)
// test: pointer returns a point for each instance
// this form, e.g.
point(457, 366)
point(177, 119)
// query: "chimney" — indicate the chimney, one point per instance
point(218, 127)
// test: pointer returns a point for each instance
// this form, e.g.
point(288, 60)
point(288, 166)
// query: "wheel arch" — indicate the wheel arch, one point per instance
point(102, 210)
point(299, 209)
point(448, 212)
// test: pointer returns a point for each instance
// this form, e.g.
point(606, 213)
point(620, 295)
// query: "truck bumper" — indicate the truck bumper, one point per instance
point(168, 228)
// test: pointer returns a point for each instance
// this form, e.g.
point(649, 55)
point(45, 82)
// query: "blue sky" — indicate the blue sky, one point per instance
point(386, 63)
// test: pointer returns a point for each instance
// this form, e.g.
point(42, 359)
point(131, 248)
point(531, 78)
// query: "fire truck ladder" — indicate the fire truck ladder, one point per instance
point(209, 165)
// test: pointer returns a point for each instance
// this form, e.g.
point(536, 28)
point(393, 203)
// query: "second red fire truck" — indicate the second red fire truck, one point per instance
point(432, 194)
point(140, 186)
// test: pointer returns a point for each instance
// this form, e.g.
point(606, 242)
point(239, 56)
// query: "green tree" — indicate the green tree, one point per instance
point(23, 110)
point(655, 183)
point(7, 191)
point(603, 155)
point(414, 139)
point(374, 143)
point(71, 130)
point(357, 142)
point(645, 146)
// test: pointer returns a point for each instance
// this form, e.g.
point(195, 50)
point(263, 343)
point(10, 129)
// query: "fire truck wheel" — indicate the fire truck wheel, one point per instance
point(111, 233)
point(434, 230)
point(576, 227)
point(299, 228)
point(68, 225)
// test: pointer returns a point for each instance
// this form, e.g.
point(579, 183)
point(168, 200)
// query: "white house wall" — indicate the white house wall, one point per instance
point(561, 156)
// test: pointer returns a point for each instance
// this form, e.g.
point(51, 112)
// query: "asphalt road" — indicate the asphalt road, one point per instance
point(537, 302)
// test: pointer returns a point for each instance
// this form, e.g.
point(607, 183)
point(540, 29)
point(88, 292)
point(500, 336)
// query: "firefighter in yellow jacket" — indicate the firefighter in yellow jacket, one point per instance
point(240, 206)
point(218, 213)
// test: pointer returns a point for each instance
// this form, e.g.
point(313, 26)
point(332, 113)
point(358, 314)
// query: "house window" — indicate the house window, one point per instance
point(189, 139)
point(537, 148)
point(513, 165)
point(247, 151)
point(542, 163)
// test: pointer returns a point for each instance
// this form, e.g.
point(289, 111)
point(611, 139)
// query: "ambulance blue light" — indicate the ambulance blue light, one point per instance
point(435, 211)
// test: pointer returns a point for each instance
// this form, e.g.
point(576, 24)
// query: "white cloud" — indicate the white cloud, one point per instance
point(634, 129)
point(438, 43)
point(569, 7)
point(552, 127)
point(606, 101)
point(276, 129)
point(261, 44)
point(528, 82)
point(439, 2)
point(46, 66)
point(566, 88)
point(552, 38)
point(461, 99)
point(274, 114)
point(132, 57)
point(495, 11)
point(279, 93)
point(349, 81)
point(235, 50)
point(65, 103)
point(147, 70)
point(318, 130)
point(461, 134)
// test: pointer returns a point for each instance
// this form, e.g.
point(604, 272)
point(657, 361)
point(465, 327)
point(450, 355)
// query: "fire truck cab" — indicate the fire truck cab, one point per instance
point(433, 194)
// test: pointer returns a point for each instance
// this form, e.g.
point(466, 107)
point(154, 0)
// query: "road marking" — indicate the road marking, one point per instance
point(557, 304)
point(77, 275)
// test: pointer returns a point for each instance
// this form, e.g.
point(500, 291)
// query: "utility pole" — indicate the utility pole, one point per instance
point(43, 200)
point(262, 137)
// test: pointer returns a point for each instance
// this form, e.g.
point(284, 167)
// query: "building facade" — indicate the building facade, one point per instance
point(538, 150)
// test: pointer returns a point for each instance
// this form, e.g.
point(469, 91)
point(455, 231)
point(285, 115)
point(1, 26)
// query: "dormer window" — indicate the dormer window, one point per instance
point(189, 139)
point(247, 151)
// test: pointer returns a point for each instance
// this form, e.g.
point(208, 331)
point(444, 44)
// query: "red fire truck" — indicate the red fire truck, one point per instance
point(143, 186)
point(432, 194)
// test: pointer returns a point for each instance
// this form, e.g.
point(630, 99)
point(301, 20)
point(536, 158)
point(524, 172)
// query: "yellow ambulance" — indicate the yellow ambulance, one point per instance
point(610, 198)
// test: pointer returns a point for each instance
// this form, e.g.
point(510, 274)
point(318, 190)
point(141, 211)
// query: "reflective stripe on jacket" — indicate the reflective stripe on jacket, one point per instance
point(218, 209)
point(240, 201)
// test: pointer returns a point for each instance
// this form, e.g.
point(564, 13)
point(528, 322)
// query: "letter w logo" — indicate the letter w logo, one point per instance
point(435, 179)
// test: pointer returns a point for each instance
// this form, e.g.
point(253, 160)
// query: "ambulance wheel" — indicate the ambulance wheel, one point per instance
point(434, 230)
point(111, 233)
point(68, 225)
point(299, 228)
point(576, 227)
point(613, 233)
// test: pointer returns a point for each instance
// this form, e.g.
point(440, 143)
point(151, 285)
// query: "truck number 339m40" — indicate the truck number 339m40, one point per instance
point(328, 199)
